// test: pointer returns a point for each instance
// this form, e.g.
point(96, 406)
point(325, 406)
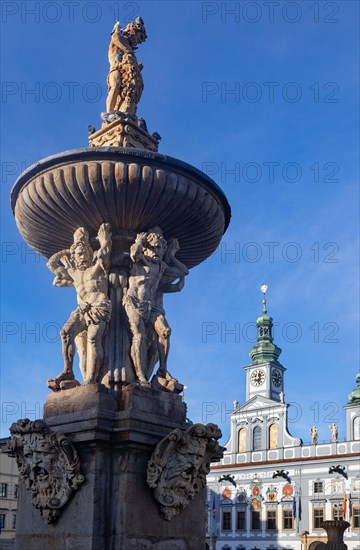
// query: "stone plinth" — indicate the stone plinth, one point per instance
point(115, 434)
point(123, 132)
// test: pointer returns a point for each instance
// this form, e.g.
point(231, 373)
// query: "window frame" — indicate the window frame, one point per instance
point(318, 487)
point(317, 509)
point(3, 490)
point(2, 521)
point(337, 511)
point(258, 430)
point(253, 512)
point(291, 516)
point(271, 511)
point(224, 513)
point(243, 512)
point(356, 514)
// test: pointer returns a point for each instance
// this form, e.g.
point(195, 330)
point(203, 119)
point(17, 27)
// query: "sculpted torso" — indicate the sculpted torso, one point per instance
point(145, 278)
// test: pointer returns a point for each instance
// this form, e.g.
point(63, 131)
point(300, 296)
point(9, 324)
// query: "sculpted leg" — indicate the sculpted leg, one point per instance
point(138, 346)
point(74, 326)
point(95, 352)
point(113, 91)
point(70, 330)
point(163, 331)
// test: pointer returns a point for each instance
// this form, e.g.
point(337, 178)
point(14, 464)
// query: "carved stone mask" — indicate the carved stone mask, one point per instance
point(48, 463)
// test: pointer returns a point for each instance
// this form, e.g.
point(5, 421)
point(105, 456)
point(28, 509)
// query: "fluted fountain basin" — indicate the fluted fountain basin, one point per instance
point(131, 189)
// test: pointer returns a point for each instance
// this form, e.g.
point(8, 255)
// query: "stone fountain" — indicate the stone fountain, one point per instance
point(114, 464)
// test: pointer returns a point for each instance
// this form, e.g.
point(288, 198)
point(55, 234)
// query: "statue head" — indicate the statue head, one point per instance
point(80, 251)
point(135, 32)
point(155, 245)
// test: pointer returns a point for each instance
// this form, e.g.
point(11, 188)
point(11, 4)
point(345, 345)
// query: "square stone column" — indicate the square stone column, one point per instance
point(115, 434)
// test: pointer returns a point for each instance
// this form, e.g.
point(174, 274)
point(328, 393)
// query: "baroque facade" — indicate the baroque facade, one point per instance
point(9, 479)
point(270, 490)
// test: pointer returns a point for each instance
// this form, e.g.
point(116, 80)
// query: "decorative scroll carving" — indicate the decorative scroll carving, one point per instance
point(178, 467)
point(87, 271)
point(154, 271)
point(48, 463)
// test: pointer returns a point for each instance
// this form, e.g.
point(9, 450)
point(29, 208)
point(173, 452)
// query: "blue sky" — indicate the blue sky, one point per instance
point(263, 98)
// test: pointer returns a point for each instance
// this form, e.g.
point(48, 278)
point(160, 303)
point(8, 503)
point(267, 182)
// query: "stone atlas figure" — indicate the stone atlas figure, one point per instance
point(151, 275)
point(125, 83)
point(87, 271)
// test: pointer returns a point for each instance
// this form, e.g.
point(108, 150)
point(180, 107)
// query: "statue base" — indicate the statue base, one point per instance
point(124, 131)
point(115, 434)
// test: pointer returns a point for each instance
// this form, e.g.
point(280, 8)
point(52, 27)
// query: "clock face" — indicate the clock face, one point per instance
point(276, 378)
point(258, 377)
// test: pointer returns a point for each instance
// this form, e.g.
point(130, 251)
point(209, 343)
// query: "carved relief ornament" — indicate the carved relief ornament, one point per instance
point(48, 463)
point(178, 467)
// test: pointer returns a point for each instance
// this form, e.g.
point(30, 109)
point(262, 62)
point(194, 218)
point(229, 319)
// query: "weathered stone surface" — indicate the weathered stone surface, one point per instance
point(178, 467)
point(124, 131)
point(88, 272)
point(48, 465)
point(128, 188)
point(115, 435)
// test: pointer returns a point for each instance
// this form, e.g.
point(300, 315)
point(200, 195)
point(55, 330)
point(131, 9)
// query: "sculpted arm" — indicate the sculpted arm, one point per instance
point(118, 40)
point(56, 266)
point(104, 236)
point(175, 267)
point(136, 250)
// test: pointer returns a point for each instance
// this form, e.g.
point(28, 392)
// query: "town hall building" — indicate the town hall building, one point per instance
point(270, 490)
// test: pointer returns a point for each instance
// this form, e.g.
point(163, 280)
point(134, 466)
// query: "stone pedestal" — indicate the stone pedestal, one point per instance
point(114, 509)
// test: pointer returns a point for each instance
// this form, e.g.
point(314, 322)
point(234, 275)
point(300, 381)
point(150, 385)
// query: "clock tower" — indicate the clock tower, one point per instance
point(265, 375)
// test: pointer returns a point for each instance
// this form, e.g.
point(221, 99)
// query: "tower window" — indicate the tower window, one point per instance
point(273, 436)
point(242, 440)
point(356, 428)
point(257, 438)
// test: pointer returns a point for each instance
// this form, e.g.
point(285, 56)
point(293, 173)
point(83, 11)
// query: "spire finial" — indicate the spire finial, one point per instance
point(263, 289)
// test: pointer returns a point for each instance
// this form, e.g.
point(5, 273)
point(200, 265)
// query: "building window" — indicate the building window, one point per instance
point(242, 440)
point(356, 485)
point(226, 520)
point(2, 521)
point(13, 525)
point(271, 520)
point(318, 487)
point(241, 520)
point(288, 522)
point(337, 512)
point(3, 490)
point(356, 428)
point(318, 517)
point(255, 520)
point(356, 517)
point(16, 490)
point(273, 436)
point(257, 438)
